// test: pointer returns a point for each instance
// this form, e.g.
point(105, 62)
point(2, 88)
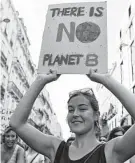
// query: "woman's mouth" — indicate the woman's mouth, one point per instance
point(76, 122)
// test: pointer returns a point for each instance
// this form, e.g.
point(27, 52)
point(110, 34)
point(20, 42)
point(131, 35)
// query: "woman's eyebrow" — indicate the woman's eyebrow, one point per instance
point(82, 104)
point(70, 105)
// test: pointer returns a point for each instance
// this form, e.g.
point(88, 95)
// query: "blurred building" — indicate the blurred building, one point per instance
point(123, 69)
point(18, 72)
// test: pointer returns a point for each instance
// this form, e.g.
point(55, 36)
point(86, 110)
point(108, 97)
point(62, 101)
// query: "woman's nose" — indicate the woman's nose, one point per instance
point(76, 112)
point(10, 138)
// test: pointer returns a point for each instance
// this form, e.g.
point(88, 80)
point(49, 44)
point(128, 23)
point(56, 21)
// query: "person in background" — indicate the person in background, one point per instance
point(70, 140)
point(103, 139)
point(117, 131)
point(124, 122)
point(83, 119)
point(33, 157)
point(10, 151)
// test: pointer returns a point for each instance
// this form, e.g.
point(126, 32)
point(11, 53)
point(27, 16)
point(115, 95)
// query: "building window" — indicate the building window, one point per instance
point(131, 31)
point(3, 79)
point(134, 89)
point(121, 72)
point(5, 32)
point(23, 39)
point(3, 61)
point(129, 11)
point(120, 34)
point(133, 60)
point(11, 43)
point(2, 93)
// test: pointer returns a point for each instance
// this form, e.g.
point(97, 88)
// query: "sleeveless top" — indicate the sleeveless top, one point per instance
point(97, 155)
point(14, 155)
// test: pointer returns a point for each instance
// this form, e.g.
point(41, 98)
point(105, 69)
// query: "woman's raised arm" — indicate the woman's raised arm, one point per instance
point(125, 146)
point(44, 144)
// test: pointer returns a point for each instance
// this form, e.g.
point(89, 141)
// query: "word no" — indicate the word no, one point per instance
point(85, 32)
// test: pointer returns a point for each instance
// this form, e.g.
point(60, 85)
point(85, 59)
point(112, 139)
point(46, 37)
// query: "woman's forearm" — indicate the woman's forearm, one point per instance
point(126, 97)
point(23, 109)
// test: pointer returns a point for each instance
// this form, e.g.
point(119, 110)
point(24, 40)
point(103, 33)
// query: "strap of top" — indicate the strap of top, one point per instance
point(34, 158)
point(102, 154)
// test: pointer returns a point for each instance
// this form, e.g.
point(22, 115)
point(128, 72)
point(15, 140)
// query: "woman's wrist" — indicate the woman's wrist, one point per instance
point(41, 80)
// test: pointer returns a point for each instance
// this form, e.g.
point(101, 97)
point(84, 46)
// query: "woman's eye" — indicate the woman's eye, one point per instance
point(7, 136)
point(82, 108)
point(70, 109)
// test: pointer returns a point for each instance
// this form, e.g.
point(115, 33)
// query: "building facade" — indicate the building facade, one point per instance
point(123, 69)
point(18, 72)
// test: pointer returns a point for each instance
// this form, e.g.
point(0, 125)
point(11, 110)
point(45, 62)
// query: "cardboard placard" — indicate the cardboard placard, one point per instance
point(75, 39)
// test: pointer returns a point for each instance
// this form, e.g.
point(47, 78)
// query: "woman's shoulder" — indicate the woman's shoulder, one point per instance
point(19, 149)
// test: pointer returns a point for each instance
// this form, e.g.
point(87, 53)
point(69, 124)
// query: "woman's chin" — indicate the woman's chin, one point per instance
point(77, 131)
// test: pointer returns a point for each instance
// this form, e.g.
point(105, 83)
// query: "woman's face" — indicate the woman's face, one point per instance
point(10, 138)
point(80, 115)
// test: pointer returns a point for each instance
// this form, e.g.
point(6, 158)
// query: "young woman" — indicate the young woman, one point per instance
point(10, 151)
point(83, 114)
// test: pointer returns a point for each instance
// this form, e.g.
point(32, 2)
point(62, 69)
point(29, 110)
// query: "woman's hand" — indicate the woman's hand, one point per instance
point(49, 77)
point(96, 77)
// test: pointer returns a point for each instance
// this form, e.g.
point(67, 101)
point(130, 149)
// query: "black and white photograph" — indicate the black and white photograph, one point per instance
point(67, 81)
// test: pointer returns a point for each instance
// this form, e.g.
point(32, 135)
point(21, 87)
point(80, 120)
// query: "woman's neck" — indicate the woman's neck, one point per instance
point(87, 139)
point(6, 148)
